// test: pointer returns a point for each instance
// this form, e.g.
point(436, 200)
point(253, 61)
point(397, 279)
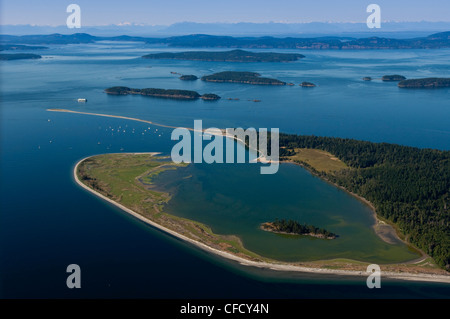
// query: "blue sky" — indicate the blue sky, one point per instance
point(103, 12)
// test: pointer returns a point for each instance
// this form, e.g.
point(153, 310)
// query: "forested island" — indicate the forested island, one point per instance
point(170, 93)
point(292, 227)
point(189, 77)
point(393, 78)
point(227, 56)
point(20, 47)
point(19, 56)
point(307, 85)
point(241, 77)
point(210, 96)
point(425, 83)
point(409, 187)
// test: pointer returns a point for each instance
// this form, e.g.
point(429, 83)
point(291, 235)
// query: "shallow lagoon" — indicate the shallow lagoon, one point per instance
point(236, 200)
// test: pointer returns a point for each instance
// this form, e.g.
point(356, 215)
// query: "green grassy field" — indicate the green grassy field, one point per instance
point(320, 160)
point(128, 180)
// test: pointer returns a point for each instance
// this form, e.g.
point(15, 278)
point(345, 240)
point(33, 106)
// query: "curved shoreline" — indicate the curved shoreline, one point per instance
point(378, 221)
point(245, 262)
point(366, 202)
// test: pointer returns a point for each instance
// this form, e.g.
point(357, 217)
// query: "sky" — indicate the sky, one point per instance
point(166, 12)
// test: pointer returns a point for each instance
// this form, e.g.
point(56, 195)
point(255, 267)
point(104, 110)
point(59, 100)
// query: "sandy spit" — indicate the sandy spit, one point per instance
point(267, 265)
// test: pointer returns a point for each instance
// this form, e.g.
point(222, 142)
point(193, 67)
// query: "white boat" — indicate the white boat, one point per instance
point(82, 100)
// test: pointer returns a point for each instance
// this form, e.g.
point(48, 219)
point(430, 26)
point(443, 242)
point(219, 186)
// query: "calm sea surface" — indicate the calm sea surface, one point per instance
point(48, 222)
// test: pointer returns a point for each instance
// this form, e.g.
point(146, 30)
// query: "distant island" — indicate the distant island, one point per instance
point(210, 96)
point(433, 41)
point(367, 78)
point(189, 77)
point(392, 78)
point(293, 227)
point(227, 56)
point(15, 47)
point(307, 84)
point(19, 56)
point(170, 93)
point(241, 77)
point(425, 83)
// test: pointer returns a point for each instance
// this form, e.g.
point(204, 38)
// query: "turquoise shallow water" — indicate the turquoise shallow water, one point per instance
point(236, 200)
point(59, 224)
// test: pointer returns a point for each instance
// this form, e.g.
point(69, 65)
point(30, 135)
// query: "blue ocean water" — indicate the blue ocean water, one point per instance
point(47, 222)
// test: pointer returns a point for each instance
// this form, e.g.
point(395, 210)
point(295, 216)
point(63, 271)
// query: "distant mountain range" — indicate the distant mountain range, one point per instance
point(433, 41)
point(311, 29)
